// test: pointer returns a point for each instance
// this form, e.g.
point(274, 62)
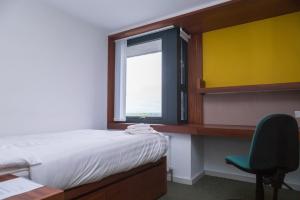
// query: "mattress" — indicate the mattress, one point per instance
point(73, 158)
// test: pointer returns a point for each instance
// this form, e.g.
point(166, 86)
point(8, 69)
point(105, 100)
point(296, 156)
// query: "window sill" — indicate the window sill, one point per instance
point(185, 129)
point(201, 130)
point(195, 129)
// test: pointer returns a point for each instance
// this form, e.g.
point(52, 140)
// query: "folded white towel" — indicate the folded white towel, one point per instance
point(140, 129)
point(139, 126)
point(137, 132)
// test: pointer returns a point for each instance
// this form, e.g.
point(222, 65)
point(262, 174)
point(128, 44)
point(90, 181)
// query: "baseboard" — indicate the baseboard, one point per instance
point(186, 181)
point(197, 177)
point(239, 177)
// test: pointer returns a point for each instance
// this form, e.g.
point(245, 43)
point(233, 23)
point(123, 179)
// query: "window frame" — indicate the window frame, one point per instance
point(170, 50)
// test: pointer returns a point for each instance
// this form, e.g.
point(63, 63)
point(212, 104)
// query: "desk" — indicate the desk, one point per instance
point(195, 129)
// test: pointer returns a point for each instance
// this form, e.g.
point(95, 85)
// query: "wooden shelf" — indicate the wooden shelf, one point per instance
point(195, 129)
point(184, 129)
point(201, 130)
point(226, 130)
point(252, 88)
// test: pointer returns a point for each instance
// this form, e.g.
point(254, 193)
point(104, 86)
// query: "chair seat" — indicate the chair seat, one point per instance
point(241, 162)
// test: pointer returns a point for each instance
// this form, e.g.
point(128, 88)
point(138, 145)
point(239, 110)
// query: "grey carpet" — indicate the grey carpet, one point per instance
point(212, 188)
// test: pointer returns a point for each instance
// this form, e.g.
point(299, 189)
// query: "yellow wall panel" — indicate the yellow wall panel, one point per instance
point(261, 52)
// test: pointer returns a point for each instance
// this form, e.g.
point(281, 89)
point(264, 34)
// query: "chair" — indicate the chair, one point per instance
point(274, 152)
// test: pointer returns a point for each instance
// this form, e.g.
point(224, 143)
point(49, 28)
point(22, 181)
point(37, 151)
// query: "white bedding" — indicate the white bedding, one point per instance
point(73, 158)
point(21, 172)
point(15, 155)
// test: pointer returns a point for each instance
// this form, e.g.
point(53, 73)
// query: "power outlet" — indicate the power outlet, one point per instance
point(297, 114)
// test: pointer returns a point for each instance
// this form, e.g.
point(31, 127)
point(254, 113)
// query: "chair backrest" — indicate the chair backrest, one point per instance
point(275, 144)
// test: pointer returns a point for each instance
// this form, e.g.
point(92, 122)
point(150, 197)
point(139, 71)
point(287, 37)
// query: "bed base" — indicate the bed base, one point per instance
point(147, 182)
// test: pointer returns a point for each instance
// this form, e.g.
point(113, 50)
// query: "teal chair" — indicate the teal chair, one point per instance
point(274, 152)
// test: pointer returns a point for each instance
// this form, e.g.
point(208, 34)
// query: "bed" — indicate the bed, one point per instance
point(92, 164)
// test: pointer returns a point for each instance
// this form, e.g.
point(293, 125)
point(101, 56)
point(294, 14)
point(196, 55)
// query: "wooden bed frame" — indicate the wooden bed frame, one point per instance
point(147, 182)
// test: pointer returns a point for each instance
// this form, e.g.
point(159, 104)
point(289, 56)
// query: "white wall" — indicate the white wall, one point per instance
point(180, 152)
point(248, 109)
point(53, 70)
point(186, 157)
point(197, 156)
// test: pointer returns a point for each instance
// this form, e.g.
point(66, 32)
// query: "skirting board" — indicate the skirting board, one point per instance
point(238, 177)
point(186, 181)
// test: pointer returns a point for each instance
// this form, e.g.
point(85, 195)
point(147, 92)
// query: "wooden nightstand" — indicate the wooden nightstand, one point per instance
point(44, 192)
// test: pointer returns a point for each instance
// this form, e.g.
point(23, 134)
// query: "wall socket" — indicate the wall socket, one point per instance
point(297, 114)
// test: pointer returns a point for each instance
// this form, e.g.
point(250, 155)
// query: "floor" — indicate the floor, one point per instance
point(212, 188)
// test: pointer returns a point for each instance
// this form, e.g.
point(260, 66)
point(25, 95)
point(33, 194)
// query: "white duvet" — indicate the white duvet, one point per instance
point(68, 159)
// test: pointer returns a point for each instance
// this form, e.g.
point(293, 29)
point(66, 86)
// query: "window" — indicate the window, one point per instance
point(144, 85)
point(151, 78)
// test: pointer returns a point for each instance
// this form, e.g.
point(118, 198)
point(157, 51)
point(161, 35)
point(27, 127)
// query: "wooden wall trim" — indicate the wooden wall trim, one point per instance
point(195, 73)
point(222, 15)
point(252, 88)
point(111, 80)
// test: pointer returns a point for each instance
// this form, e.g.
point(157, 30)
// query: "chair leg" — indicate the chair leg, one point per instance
point(278, 180)
point(275, 193)
point(288, 187)
point(259, 187)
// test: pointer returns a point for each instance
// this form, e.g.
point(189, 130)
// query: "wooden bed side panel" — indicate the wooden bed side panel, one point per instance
point(148, 182)
point(148, 185)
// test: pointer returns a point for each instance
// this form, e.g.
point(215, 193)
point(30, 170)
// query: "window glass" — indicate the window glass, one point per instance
point(144, 84)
